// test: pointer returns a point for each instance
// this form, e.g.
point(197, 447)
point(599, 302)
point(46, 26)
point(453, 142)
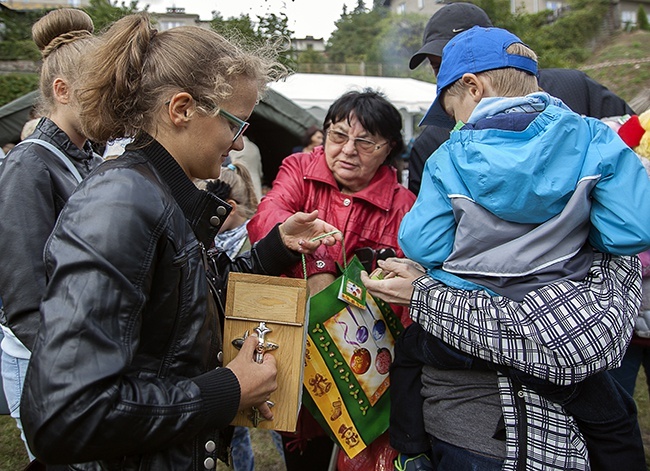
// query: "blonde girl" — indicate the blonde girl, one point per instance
point(127, 372)
point(37, 178)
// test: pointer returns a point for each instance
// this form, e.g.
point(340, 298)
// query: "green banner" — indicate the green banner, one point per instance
point(348, 357)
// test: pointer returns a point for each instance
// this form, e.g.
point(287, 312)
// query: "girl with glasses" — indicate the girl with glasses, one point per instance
point(126, 372)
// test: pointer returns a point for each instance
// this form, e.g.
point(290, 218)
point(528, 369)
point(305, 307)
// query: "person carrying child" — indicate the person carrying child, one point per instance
point(525, 195)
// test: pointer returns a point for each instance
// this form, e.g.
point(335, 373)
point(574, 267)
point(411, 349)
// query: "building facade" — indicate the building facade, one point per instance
point(44, 4)
point(308, 43)
point(176, 16)
point(627, 9)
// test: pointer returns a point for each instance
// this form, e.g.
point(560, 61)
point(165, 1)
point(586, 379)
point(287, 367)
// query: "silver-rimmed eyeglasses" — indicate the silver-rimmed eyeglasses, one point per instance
point(362, 145)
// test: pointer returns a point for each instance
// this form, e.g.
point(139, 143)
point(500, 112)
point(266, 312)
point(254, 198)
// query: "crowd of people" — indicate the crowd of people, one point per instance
point(514, 252)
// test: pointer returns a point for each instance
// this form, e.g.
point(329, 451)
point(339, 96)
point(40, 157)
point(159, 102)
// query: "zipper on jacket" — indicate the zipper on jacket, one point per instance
point(522, 422)
point(211, 273)
point(212, 277)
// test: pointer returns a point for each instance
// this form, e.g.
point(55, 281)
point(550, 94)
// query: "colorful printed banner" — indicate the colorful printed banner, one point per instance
point(347, 360)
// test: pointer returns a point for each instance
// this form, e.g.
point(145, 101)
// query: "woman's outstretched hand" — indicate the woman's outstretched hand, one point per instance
point(304, 232)
point(396, 287)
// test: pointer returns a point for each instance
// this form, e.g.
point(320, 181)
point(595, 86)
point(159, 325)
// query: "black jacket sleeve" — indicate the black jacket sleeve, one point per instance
point(98, 386)
point(582, 94)
point(425, 145)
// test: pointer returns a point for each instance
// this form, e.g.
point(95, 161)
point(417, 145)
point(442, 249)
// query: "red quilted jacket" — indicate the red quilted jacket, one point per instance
point(368, 218)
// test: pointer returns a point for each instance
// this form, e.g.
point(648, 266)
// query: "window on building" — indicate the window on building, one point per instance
point(401, 8)
point(420, 4)
point(554, 5)
point(628, 17)
point(165, 25)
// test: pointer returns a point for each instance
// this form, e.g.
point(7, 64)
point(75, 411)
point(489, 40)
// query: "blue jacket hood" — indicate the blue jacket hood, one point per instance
point(525, 176)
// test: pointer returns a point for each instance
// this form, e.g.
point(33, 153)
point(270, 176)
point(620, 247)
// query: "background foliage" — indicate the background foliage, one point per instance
point(368, 39)
point(270, 28)
point(13, 86)
point(642, 19)
point(21, 49)
point(103, 12)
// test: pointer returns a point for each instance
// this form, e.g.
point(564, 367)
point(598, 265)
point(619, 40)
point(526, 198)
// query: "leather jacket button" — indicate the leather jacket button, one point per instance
point(347, 202)
point(215, 221)
point(219, 358)
point(221, 211)
point(208, 463)
point(210, 446)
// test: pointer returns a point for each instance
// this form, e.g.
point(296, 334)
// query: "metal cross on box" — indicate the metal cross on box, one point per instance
point(275, 309)
point(262, 347)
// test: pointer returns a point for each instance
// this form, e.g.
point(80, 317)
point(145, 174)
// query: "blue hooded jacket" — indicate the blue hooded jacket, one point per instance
point(511, 200)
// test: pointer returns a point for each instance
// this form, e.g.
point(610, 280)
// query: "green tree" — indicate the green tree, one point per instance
point(642, 19)
point(498, 11)
point(18, 24)
point(269, 28)
point(562, 40)
point(103, 12)
point(310, 57)
point(13, 86)
point(356, 34)
point(16, 34)
point(273, 26)
point(241, 27)
point(310, 61)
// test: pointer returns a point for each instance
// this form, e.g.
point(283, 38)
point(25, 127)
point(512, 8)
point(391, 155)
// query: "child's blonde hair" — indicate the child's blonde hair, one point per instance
point(242, 190)
point(506, 82)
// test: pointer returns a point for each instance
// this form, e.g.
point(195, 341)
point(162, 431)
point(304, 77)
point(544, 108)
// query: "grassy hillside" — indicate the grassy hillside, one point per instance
point(622, 64)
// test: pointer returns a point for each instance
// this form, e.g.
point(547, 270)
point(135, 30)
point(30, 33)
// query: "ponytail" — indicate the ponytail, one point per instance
point(136, 70)
point(110, 97)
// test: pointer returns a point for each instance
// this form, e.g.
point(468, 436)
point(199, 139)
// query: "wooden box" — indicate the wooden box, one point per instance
point(281, 303)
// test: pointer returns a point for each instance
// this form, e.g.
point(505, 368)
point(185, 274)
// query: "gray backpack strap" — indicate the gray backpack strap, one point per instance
point(56, 151)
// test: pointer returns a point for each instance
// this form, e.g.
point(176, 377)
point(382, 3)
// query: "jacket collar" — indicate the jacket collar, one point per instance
point(47, 128)
point(204, 212)
point(378, 193)
point(531, 103)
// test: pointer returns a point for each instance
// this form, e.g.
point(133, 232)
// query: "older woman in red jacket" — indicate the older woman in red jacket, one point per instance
point(351, 181)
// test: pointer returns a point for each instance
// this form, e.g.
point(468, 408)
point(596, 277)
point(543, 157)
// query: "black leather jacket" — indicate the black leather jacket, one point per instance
point(34, 186)
point(125, 373)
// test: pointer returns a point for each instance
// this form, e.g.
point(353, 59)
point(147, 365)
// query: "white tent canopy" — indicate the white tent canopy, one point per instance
point(316, 92)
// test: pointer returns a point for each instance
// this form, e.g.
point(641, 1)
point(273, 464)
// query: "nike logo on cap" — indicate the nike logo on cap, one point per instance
point(457, 30)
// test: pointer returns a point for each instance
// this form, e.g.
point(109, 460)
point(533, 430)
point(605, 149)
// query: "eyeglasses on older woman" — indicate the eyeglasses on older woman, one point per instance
point(362, 145)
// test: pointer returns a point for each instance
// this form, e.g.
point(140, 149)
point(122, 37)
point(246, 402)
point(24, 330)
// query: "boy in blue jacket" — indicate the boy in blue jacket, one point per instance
point(518, 198)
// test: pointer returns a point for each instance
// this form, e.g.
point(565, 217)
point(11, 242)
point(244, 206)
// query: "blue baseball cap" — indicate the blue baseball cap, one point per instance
point(475, 50)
